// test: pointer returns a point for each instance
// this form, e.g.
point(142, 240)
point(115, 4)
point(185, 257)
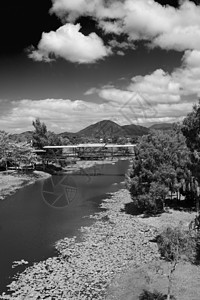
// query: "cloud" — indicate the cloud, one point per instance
point(159, 94)
point(66, 115)
point(69, 43)
point(58, 114)
point(162, 26)
point(158, 87)
point(101, 9)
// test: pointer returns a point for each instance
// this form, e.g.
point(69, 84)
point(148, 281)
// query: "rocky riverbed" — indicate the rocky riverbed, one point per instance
point(84, 269)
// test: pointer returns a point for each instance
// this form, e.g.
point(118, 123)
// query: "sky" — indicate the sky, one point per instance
point(74, 63)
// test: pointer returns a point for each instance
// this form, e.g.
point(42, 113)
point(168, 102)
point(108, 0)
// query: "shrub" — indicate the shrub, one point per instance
point(147, 295)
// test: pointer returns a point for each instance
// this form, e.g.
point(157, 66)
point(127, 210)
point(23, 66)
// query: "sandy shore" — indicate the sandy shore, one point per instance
point(10, 182)
point(115, 259)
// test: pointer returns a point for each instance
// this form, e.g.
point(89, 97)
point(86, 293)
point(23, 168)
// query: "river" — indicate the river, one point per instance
point(38, 215)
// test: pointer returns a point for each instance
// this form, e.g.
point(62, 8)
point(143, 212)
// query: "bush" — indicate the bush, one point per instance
point(147, 295)
point(175, 244)
point(148, 204)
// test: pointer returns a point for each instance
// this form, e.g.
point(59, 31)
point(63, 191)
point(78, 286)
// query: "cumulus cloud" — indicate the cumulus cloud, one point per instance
point(69, 43)
point(66, 115)
point(58, 114)
point(159, 94)
point(101, 9)
point(162, 26)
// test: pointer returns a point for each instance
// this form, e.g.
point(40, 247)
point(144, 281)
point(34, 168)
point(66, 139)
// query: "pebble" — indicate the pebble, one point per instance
point(84, 270)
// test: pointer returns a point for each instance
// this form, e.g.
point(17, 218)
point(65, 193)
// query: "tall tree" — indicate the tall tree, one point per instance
point(191, 128)
point(191, 131)
point(40, 138)
point(4, 148)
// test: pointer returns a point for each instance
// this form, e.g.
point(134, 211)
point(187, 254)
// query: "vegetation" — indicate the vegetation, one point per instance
point(42, 137)
point(191, 128)
point(14, 153)
point(176, 245)
point(160, 168)
point(147, 295)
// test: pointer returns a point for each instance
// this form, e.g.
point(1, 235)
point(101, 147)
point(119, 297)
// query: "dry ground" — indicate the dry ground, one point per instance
point(186, 280)
point(10, 182)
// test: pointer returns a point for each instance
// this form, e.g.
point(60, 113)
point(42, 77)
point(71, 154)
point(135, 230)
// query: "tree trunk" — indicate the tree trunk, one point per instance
point(169, 286)
point(172, 269)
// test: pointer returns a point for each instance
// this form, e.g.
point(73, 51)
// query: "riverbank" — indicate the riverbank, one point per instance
point(81, 165)
point(85, 269)
point(12, 181)
point(115, 259)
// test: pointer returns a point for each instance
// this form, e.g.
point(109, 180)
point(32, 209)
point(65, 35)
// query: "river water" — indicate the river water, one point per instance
point(37, 216)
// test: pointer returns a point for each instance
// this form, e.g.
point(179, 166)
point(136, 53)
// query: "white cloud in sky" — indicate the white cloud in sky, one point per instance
point(66, 115)
point(163, 26)
point(101, 9)
point(69, 43)
point(159, 94)
point(162, 96)
point(160, 26)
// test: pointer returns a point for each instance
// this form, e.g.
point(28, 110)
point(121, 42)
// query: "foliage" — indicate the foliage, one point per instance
point(40, 138)
point(22, 152)
point(14, 152)
point(195, 224)
point(147, 295)
point(161, 161)
point(4, 148)
point(152, 202)
point(191, 131)
point(191, 128)
point(174, 245)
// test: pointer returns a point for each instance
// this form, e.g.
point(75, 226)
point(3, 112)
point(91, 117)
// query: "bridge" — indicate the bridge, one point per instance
point(90, 151)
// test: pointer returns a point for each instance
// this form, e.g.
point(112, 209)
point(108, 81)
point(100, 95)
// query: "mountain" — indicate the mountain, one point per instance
point(135, 130)
point(162, 126)
point(22, 137)
point(102, 129)
point(67, 134)
point(105, 128)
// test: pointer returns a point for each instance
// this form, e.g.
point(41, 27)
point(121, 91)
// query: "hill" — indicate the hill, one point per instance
point(135, 130)
point(102, 129)
point(22, 137)
point(105, 128)
point(162, 126)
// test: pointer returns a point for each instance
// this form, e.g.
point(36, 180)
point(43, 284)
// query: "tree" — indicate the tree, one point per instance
point(175, 245)
point(15, 152)
point(40, 138)
point(191, 131)
point(22, 153)
point(191, 128)
point(161, 161)
point(147, 295)
point(4, 148)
